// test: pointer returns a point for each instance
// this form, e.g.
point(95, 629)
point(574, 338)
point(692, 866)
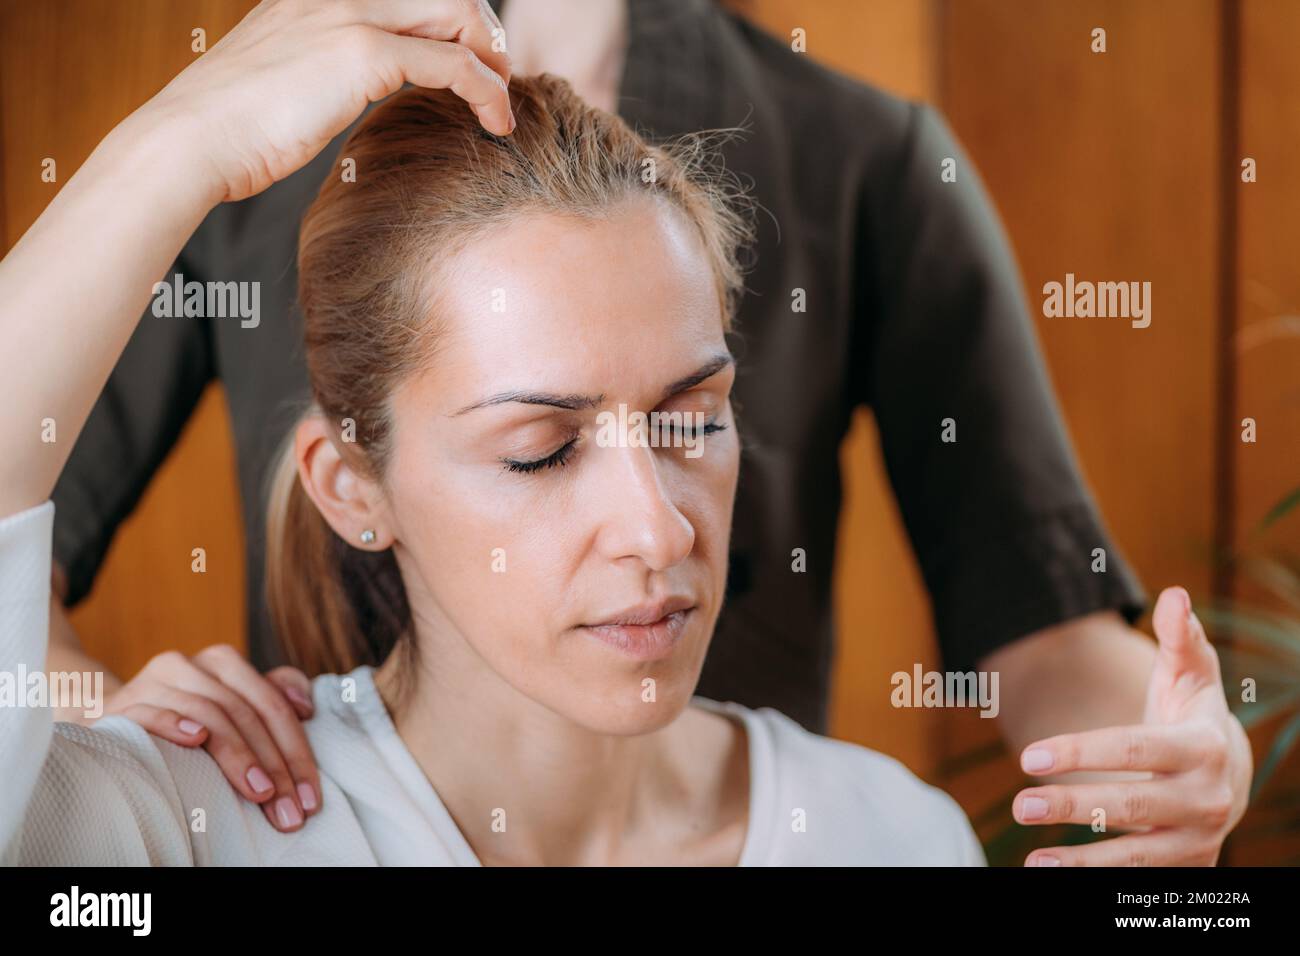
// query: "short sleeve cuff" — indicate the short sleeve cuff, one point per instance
point(993, 591)
point(77, 549)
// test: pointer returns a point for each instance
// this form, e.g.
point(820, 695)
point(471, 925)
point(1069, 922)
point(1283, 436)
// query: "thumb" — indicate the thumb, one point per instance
point(296, 687)
point(1184, 648)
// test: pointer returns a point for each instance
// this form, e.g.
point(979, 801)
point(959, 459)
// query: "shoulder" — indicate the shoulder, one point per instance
point(879, 152)
point(185, 811)
point(124, 796)
point(861, 806)
point(350, 729)
point(838, 105)
point(123, 750)
point(346, 704)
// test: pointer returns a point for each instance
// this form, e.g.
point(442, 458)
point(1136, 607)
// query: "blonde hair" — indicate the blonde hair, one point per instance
point(428, 179)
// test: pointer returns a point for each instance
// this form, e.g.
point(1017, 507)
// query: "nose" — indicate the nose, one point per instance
point(638, 516)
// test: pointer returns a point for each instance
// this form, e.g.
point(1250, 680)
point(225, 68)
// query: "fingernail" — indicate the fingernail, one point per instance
point(512, 121)
point(258, 780)
point(1187, 601)
point(190, 727)
point(307, 794)
point(1033, 808)
point(1036, 759)
point(287, 812)
point(298, 697)
point(1044, 859)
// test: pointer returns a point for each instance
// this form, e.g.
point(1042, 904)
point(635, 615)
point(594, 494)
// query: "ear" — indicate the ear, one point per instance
point(350, 502)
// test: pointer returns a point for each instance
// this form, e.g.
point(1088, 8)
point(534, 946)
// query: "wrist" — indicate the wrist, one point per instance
point(158, 149)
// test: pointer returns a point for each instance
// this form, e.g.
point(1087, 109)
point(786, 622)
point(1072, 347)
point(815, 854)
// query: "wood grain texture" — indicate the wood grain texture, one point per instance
point(1264, 347)
point(1104, 165)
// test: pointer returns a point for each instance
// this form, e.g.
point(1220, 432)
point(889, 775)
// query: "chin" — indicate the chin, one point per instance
point(603, 683)
point(628, 714)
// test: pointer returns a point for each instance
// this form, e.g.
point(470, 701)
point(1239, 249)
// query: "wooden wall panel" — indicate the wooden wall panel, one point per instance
point(1104, 165)
point(1266, 340)
point(1264, 349)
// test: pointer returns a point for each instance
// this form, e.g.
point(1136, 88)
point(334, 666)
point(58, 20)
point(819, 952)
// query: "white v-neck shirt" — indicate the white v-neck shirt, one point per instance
point(114, 794)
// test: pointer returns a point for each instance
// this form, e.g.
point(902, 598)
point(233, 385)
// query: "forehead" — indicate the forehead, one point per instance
point(572, 297)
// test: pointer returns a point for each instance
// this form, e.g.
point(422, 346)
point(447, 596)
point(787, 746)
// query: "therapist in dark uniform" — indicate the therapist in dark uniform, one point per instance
point(874, 282)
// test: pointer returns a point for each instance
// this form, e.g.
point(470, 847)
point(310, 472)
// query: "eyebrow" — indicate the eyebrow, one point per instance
point(578, 402)
point(709, 369)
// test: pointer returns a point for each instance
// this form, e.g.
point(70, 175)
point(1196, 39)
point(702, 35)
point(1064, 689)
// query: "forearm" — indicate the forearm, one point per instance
point(67, 656)
point(74, 286)
point(1088, 673)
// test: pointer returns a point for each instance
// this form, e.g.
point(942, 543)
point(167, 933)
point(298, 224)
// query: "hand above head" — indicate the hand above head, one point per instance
point(248, 722)
point(294, 73)
point(1193, 753)
point(256, 107)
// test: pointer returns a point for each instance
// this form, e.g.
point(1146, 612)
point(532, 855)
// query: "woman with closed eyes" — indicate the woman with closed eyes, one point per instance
point(509, 611)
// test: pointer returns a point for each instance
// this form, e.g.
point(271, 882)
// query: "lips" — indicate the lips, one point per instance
point(646, 632)
point(643, 614)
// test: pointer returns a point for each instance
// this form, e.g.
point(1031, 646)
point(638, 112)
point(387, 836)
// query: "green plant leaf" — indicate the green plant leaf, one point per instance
point(999, 811)
point(1274, 576)
point(1281, 747)
point(1241, 659)
point(1260, 627)
point(1281, 509)
point(1271, 701)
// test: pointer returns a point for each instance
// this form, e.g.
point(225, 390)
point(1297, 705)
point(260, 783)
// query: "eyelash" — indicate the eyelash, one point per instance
point(560, 457)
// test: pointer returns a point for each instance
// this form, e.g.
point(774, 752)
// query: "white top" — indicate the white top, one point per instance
point(114, 794)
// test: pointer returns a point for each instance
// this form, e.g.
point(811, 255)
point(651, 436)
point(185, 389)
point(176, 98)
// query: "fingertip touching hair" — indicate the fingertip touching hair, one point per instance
point(428, 180)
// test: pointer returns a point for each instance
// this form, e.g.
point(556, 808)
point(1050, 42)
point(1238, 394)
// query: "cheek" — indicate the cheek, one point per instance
point(708, 489)
point(493, 568)
point(484, 550)
point(729, 469)
point(493, 548)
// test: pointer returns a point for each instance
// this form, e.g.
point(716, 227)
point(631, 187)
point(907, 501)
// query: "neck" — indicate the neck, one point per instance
point(584, 41)
point(567, 795)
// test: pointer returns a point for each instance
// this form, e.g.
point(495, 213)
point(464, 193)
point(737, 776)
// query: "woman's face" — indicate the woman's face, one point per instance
point(580, 563)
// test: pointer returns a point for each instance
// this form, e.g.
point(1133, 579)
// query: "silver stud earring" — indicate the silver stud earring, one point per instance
point(368, 536)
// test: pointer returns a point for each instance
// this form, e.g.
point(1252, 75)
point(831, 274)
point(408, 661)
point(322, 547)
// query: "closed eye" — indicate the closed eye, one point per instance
point(559, 457)
point(690, 431)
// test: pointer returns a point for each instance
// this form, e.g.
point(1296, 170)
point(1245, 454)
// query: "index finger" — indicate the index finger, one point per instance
point(471, 23)
point(277, 715)
point(1156, 747)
